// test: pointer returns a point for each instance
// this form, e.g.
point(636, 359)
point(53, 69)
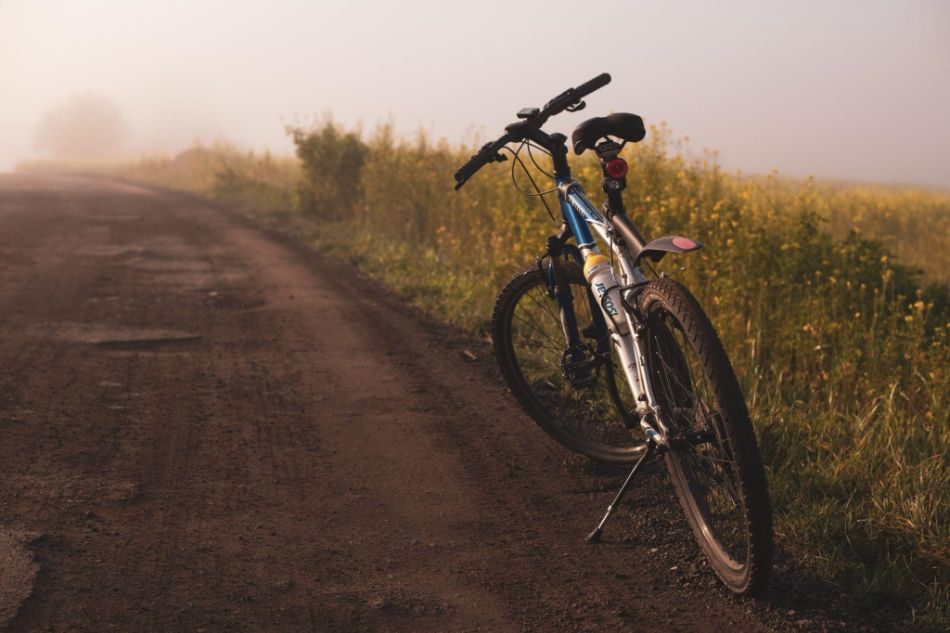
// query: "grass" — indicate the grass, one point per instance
point(831, 299)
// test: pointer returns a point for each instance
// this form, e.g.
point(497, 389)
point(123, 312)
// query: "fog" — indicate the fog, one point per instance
point(854, 90)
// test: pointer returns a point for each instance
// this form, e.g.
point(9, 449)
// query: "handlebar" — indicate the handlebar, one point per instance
point(596, 83)
point(487, 154)
point(572, 96)
point(533, 120)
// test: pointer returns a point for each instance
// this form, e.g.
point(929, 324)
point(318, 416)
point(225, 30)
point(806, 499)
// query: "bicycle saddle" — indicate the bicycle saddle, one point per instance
point(627, 126)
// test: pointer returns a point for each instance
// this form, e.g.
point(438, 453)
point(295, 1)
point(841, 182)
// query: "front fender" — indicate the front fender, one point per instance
point(659, 247)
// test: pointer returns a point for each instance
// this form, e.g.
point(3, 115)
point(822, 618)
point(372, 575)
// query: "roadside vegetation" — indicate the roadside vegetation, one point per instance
point(831, 299)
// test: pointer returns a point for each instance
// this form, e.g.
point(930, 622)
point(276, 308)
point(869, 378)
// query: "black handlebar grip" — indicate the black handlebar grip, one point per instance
point(588, 87)
point(485, 155)
point(462, 175)
point(468, 170)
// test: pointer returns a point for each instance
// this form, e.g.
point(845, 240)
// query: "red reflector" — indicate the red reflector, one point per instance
point(616, 168)
point(684, 242)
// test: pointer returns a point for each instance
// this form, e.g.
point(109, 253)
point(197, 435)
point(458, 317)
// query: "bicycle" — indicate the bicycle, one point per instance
point(619, 366)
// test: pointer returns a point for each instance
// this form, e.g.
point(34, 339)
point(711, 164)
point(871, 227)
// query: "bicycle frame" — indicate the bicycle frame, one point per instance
point(580, 217)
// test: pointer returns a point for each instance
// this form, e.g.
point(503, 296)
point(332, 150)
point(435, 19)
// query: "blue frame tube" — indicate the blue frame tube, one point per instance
point(585, 239)
point(577, 210)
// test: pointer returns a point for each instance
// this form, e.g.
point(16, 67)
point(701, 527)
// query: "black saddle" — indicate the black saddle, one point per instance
point(627, 126)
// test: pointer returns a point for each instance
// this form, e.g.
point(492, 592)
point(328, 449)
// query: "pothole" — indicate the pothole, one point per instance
point(121, 338)
point(149, 343)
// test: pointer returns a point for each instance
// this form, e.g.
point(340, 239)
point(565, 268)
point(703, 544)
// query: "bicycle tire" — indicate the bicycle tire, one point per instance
point(538, 383)
point(682, 345)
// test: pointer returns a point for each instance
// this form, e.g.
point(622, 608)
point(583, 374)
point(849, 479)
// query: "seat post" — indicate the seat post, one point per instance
point(613, 185)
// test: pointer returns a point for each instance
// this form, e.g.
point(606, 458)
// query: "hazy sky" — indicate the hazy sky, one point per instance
point(847, 89)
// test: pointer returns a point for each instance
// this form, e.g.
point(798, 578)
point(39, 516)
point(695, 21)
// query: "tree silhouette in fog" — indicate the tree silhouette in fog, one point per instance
point(85, 126)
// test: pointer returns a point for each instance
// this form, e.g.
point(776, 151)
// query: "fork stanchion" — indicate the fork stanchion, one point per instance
point(594, 537)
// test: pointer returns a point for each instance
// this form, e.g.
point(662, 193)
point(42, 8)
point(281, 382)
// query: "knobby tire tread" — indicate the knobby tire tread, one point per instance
point(701, 335)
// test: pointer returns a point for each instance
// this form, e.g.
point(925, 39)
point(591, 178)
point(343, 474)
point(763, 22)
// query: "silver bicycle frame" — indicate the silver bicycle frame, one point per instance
point(580, 213)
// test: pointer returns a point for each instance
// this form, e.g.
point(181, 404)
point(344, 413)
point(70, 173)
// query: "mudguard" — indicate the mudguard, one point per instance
point(659, 247)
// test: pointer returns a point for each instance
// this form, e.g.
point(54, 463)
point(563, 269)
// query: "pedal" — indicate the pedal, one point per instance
point(580, 366)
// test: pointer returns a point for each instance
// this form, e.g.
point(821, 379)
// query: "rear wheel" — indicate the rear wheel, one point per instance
point(715, 463)
point(579, 397)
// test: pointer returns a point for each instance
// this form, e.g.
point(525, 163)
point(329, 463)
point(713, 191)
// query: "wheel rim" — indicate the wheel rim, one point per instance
point(586, 415)
point(705, 467)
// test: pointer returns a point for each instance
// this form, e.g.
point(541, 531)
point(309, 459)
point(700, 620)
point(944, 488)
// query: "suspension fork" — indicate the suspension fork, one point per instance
point(560, 288)
point(580, 361)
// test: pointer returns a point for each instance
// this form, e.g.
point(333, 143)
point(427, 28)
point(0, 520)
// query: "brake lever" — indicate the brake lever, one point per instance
point(567, 94)
point(580, 105)
point(497, 158)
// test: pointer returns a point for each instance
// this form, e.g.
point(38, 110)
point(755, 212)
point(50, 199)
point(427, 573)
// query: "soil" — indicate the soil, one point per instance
point(205, 426)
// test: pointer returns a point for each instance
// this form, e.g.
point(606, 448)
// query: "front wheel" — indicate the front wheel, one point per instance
point(714, 463)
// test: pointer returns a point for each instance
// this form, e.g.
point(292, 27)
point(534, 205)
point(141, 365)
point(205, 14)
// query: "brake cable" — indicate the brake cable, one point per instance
point(537, 166)
point(516, 159)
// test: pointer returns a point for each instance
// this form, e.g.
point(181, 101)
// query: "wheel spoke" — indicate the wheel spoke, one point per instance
point(554, 343)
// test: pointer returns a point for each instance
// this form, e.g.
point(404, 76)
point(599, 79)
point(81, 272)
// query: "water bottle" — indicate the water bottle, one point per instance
point(600, 276)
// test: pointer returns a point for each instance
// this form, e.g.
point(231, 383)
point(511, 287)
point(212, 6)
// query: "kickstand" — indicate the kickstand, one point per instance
point(594, 537)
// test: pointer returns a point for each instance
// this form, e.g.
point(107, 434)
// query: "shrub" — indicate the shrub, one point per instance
point(332, 162)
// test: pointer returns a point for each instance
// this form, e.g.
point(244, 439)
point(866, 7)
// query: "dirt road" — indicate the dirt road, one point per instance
point(205, 428)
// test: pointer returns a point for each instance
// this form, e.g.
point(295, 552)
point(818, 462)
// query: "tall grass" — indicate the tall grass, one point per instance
point(251, 181)
point(841, 345)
